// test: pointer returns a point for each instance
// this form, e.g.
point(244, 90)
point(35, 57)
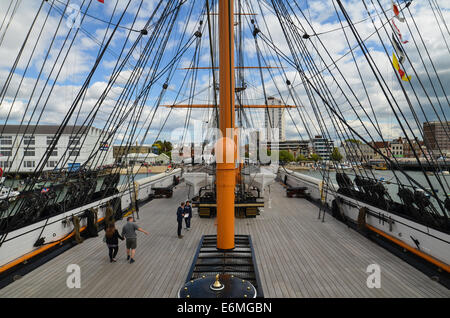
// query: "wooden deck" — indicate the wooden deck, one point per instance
point(297, 256)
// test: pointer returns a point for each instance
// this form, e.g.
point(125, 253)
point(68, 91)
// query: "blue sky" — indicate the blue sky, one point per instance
point(321, 14)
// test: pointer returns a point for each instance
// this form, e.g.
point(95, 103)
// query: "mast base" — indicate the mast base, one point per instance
point(237, 270)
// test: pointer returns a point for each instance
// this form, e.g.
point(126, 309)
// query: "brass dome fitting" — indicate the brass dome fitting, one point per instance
point(217, 285)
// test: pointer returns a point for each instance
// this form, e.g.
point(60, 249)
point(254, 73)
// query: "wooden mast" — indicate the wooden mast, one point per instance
point(225, 170)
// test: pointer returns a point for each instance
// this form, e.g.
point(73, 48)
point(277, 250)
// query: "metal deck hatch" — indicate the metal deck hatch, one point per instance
point(240, 262)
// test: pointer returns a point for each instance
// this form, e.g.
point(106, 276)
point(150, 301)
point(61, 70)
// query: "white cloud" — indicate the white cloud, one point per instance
point(323, 19)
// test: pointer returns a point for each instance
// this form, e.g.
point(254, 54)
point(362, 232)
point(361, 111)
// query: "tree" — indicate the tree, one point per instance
point(169, 154)
point(336, 155)
point(167, 146)
point(355, 141)
point(158, 145)
point(286, 156)
point(301, 157)
point(315, 157)
point(163, 146)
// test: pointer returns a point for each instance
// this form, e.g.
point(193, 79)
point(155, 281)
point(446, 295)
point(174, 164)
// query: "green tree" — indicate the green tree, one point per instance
point(336, 155)
point(355, 141)
point(315, 157)
point(158, 145)
point(169, 154)
point(163, 146)
point(301, 157)
point(286, 156)
point(167, 146)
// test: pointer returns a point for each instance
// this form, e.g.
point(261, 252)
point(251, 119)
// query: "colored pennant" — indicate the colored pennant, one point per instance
point(398, 48)
point(101, 1)
point(397, 12)
point(399, 34)
point(400, 71)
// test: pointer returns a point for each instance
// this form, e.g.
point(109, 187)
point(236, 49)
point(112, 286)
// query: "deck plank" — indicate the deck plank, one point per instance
point(297, 255)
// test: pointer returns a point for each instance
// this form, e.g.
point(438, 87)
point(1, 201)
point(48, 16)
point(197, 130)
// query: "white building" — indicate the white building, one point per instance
point(322, 146)
point(149, 158)
point(396, 148)
point(274, 119)
point(21, 152)
point(356, 151)
point(162, 159)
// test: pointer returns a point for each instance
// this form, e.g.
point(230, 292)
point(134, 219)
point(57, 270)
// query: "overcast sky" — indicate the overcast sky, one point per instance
point(26, 100)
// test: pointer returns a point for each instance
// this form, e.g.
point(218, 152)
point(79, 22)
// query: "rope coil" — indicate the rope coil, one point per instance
point(76, 229)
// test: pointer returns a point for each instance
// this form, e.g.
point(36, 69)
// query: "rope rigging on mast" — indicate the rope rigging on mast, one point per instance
point(233, 65)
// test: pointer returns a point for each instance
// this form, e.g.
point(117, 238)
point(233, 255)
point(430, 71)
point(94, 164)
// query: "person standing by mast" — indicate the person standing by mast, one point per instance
point(187, 215)
point(180, 216)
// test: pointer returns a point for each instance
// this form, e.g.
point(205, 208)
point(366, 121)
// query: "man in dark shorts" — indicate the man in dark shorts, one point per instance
point(129, 231)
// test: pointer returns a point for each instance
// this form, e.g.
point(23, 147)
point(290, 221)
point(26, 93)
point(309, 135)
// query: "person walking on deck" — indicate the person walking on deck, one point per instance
point(187, 215)
point(129, 231)
point(112, 241)
point(180, 216)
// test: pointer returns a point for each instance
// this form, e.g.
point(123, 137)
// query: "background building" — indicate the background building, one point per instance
point(437, 136)
point(322, 146)
point(296, 147)
point(396, 148)
point(145, 158)
point(356, 151)
point(383, 147)
point(119, 151)
point(419, 148)
point(274, 118)
point(319, 145)
point(22, 152)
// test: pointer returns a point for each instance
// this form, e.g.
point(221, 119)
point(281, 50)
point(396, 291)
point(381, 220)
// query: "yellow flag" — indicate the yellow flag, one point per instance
point(400, 71)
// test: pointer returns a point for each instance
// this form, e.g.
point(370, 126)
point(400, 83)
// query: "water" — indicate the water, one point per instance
point(390, 182)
